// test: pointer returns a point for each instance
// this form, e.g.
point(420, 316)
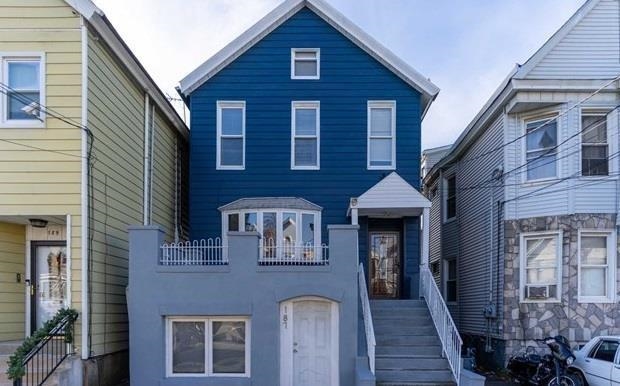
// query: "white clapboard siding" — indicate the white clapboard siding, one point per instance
point(590, 49)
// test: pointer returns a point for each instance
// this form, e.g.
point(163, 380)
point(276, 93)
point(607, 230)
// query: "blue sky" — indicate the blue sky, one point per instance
point(465, 47)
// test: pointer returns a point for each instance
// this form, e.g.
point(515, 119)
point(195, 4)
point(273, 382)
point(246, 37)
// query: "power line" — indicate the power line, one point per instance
point(544, 123)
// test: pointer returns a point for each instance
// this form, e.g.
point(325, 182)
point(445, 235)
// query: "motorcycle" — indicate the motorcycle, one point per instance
point(531, 368)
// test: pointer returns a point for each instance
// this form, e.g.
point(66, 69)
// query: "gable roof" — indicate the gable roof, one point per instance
point(508, 88)
point(337, 20)
point(97, 19)
point(392, 196)
point(555, 39)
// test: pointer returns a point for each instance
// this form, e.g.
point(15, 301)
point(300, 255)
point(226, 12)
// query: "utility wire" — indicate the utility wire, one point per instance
point(544, 123)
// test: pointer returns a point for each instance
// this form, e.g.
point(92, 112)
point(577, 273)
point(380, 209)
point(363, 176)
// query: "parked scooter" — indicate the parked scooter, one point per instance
point(531, 368)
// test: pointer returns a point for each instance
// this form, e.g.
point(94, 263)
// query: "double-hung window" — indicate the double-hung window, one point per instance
point(230, 135)
point(207, 346)
point(450, 280)
point(22, 81)
point(541, 267)
point(305, 63)
point(382, 135)
point(305, 130)
point(450, 197)
point(597, 251)
point(594, 147)
point(541, 149)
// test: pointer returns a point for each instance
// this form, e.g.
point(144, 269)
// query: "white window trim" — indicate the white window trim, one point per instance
point(208, 345)
point(318, 63)
point(611, 266)
point(444, 198)
point(222, 105)
point(381, 104)
point(599, 113)
point(540, 119)
point(522, 264)
point(6, 56)
point(309, 105)
point(279, 212)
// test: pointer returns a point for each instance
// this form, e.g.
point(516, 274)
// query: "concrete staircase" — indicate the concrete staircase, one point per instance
point(7, 349)
point(408, 350)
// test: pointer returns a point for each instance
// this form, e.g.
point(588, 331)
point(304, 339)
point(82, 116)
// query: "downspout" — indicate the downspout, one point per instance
point(147, 161)
point(84, 191)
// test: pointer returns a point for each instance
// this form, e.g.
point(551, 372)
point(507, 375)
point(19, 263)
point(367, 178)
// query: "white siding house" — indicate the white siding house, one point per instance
point(537, 196)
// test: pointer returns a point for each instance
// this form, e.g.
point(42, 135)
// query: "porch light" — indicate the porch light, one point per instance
point(38, 222)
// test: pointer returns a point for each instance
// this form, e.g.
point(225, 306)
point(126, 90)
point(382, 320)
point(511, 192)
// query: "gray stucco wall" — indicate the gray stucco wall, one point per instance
point(242, 288)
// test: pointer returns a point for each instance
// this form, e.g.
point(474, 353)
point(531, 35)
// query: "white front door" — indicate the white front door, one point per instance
point(309, 350)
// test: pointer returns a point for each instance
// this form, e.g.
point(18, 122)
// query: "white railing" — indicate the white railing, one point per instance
point(197, 252)
point(368, 326)
point(272, 253)
point(448, 334)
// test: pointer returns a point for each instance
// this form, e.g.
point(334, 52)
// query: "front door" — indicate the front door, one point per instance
point(384, 264)
point(48, 280)
point(310, 343)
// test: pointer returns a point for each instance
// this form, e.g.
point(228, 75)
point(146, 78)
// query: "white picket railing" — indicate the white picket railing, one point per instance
point(368, 326)
point(448, 334)
point(197, 252)
point(272, 253)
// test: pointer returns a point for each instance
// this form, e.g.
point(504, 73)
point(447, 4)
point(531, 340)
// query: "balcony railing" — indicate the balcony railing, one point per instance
point(272, 253)
point(197, 252)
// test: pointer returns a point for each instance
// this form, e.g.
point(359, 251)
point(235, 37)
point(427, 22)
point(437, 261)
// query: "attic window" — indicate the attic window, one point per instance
point(305, 63)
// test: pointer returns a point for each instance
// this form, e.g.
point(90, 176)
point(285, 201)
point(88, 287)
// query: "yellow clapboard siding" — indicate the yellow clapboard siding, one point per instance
point(40, 189)
point(12, 261)
point(51, 167)
point(40, 177)
point(38, 37)
point(44, 209)
point(17, 22)
point(39, 199)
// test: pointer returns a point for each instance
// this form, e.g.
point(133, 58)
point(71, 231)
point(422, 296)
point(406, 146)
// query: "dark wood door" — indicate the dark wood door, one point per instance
point(384, 265)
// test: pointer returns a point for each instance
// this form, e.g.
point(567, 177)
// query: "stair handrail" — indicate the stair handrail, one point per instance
point(45, 357)
point(368, 326)
point(451, 341)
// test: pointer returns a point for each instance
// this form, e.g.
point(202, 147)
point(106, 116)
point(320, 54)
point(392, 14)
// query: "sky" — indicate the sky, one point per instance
point(466, 47)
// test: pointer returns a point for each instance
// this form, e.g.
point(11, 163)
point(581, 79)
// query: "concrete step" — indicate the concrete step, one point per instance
point(407, 340)
point(411, 351)
point(416, 384)
point(397, 304)
point(8, 348)
point(383, 328)
point(409, 377)
point(408, 363)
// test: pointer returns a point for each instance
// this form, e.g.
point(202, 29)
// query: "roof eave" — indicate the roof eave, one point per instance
point(332, 16)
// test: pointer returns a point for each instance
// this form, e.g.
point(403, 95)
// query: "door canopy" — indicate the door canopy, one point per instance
point(390, 197)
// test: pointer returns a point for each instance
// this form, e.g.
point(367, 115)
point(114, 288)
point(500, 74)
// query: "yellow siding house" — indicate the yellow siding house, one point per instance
point(88, 146)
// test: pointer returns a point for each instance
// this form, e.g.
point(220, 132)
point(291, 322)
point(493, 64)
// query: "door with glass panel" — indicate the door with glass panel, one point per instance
point(384, 265)
point(48, 289)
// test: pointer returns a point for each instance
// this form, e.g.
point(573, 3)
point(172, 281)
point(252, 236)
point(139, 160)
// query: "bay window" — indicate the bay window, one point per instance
point(541, 149)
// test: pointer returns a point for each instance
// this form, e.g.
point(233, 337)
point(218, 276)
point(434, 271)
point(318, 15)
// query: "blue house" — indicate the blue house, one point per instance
point(304, 174)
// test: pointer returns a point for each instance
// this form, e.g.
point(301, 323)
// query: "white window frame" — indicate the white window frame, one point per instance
point(220, 106)
point(539, 120)
point(445, 198)
point(611, 266)
point(306, 105)
point(317, 51)
point(595, 113)
point(5, 58)
point(387, 104)
point(279, 212)
point(208, 320)
point(523, 261)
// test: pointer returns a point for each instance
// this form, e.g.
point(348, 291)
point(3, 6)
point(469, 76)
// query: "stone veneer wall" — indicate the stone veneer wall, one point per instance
point(576, 321)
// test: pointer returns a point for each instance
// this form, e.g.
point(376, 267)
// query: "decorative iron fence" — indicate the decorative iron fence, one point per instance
point(272, 253)
point(197, 252)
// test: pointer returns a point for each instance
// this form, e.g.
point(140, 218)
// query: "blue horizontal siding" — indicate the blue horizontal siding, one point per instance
point(261, 77)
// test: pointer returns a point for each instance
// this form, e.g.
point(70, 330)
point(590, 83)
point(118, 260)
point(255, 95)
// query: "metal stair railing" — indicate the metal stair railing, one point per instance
point(451, 341)
point(47, 355)
point(368, 326)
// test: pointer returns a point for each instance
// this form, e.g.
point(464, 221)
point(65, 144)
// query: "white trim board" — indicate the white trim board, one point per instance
point(285, 11)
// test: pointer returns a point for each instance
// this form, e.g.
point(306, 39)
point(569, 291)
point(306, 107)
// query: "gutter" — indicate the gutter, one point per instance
point(84, 190)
